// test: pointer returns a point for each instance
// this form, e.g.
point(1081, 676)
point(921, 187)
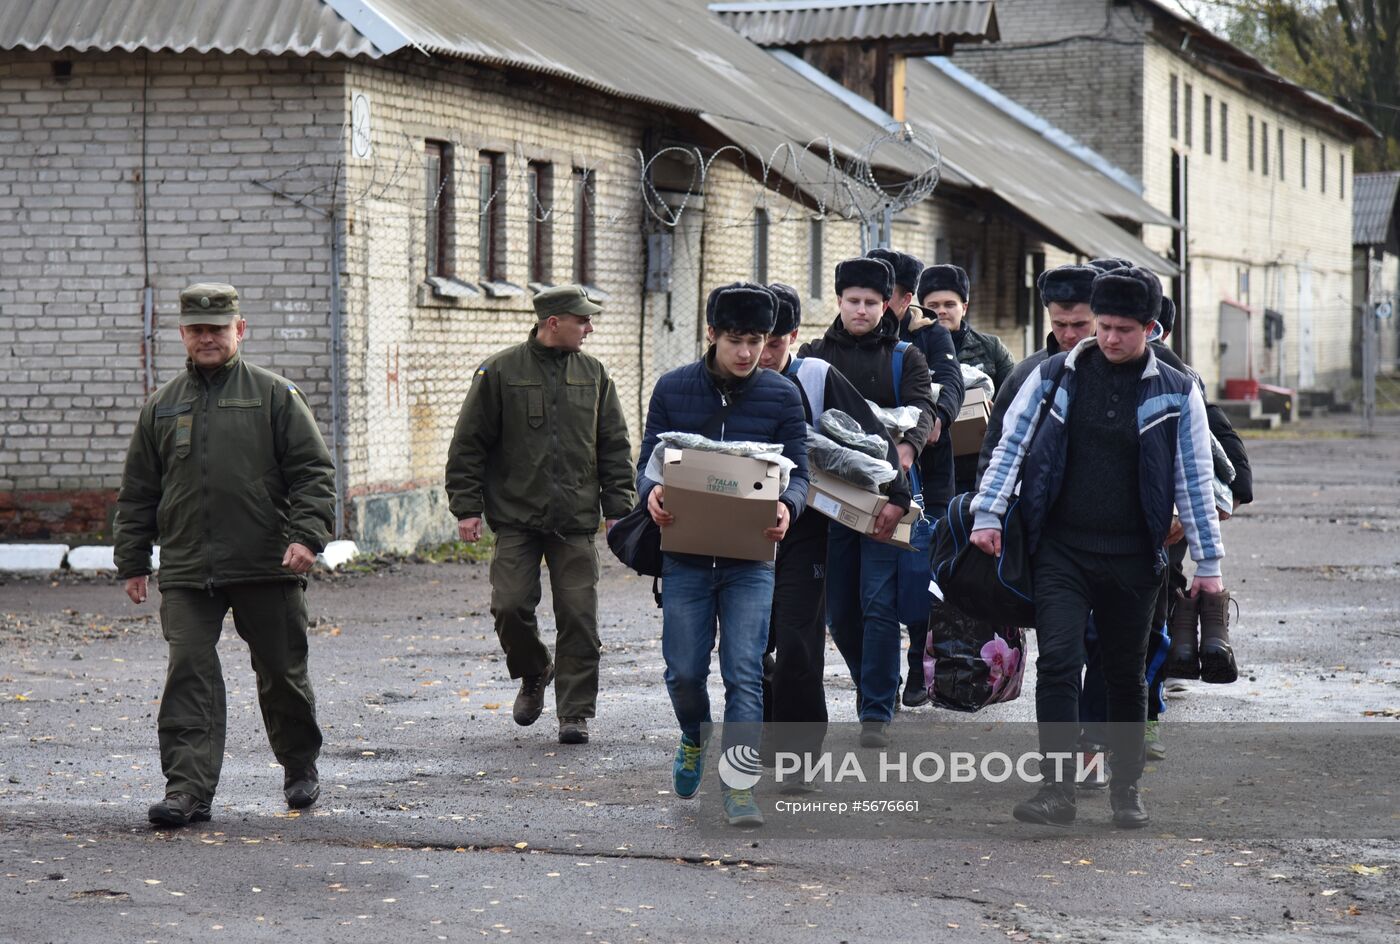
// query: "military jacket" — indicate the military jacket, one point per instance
point(223, 473)
point(541, 443)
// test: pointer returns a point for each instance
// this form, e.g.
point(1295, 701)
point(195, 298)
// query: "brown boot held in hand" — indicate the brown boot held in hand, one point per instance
point(1183, 661)
point(1217, 656)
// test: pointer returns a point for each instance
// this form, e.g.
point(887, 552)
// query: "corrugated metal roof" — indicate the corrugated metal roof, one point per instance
point(985, 148)
point(667, 52)
point(826, 21)
point(1376, 208)
point(276, 27)
point(1011, 157)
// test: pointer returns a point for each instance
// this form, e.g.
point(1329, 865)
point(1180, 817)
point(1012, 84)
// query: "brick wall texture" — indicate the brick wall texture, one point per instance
point(75, 251)
point(242, 169)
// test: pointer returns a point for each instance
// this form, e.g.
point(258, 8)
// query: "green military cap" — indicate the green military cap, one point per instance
point(211, 303)
point(565, 300)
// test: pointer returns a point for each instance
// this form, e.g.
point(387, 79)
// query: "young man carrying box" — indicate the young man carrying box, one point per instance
point(724, 396)
point(795, 695)
point(863, 343)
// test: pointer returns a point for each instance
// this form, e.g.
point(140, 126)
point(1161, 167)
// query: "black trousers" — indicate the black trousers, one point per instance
point(1121, 592)
point(936, 480)
point(793, 692)
point(1093, 700)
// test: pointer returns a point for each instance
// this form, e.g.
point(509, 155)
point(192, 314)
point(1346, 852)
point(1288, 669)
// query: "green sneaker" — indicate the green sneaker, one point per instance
point(741, 809)
point(1155, 749)
point(688, 767)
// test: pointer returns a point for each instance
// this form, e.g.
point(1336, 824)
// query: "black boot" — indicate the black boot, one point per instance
point(915, 694)
point(1052, 805)
point(1184, 659)
point(178, 809)
point(1217, 656)
point(530, 702)
point(1127, 807)
point(301, 787)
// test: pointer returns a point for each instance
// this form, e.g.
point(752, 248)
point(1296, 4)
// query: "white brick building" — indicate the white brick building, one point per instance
point(1258, 170)
point(387, 210)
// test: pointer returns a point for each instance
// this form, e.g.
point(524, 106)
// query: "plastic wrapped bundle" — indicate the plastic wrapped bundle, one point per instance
point(845, 430)
point(972, 377)
point(898, 420)
point(1224, 475)
point(1224, 468)
point(766, 452)
point(855, 467)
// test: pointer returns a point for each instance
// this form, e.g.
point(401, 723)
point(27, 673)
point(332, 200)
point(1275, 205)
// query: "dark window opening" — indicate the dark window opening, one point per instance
point(491, 216)
point(437, 162)
point(539, 206)
point(585, 198)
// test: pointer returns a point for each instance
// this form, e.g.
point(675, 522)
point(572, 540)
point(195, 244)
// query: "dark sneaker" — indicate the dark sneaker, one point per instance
point(178, 809)
point(1052, 805)
point(1152, 741)
point(688, 767)
point(530, 702)
point(1127, 807)
point(741, 810)
point(573, 730)
point(874, 734)
point(301, 787)
point(915, 694)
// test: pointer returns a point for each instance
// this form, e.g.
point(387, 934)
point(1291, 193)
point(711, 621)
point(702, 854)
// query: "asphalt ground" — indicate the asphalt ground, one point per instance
point(441, 819)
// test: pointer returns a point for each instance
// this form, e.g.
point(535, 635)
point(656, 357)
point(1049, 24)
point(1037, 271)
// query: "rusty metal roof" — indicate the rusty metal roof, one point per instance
point(802, 22)
point(275, 27)
point(1376, 212)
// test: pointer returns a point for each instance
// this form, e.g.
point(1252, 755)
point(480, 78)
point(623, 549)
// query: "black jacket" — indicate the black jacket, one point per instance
point(985, 352)
point(838, 394)
point(1242, 487)
point(867, 362)
point(936, 343)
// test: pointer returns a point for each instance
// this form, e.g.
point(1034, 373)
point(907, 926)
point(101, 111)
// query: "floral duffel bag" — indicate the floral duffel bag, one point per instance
point(970, 664)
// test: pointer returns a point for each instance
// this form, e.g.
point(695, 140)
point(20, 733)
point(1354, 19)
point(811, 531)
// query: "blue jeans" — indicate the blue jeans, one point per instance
point(692, 597)
point(860, 609)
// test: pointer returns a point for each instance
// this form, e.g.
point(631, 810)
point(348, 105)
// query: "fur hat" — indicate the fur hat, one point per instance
point(741, 308)
point(1109, 264)
point(1066, 284)
point(906, 267)
point(789, 308)
point(942, 278)
point(1165, 319)
point(864, 272)
point(1128, 293)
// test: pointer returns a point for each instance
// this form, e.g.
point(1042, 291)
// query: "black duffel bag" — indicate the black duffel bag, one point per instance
point(996, 590)
point(636, 541)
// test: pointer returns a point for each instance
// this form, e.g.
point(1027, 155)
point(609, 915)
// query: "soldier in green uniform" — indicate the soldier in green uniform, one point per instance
point(540, 446)
point(228, 473)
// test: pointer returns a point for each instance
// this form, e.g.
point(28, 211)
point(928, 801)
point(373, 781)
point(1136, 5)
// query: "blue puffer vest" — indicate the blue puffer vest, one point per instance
point(1175, 455)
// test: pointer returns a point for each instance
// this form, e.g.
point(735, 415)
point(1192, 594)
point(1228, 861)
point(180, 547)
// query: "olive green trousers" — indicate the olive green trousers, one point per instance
point(271, 618)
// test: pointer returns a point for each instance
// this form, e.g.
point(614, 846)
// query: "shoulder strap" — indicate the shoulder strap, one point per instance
point(1046, 402)
point(899, 350)
point(810, 375)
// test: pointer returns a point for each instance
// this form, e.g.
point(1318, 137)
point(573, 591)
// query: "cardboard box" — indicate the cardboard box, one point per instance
point(722, 504)
point(970, 427)
point(857, 508)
